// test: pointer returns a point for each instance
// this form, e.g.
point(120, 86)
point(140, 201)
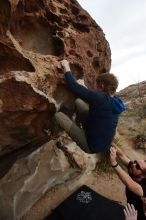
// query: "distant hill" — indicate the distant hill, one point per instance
point(135, 93)
point(133, 120)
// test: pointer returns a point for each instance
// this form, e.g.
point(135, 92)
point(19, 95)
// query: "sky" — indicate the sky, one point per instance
point(124, 25)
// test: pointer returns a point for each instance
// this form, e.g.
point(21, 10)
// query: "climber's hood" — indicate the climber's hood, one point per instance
point(117, 105)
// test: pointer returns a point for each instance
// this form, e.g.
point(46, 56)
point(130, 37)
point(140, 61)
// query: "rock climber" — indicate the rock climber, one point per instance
point(100, 107)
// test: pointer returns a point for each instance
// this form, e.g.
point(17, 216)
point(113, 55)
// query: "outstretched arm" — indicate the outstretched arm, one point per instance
point(86, 94)
point(124, 177)
point(121, 154)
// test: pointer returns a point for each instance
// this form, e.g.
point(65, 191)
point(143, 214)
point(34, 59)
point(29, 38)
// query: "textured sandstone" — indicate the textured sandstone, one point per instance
point(132, 123)
point(34, 36)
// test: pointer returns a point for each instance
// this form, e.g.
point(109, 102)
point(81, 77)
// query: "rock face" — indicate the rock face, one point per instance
point(33, 174)
point(34, 36)
point(132, 124)
point(134, 94)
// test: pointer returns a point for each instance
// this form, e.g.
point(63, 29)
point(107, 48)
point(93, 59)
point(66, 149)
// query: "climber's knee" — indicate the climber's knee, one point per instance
point(63, 120)
point(81, 105)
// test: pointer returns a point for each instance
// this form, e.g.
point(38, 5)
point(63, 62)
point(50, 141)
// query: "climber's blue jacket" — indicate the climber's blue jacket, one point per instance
point(103, 115)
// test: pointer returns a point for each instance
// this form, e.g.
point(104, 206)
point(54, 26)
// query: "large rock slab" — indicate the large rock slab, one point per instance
point(33, 174)
point(34, 36)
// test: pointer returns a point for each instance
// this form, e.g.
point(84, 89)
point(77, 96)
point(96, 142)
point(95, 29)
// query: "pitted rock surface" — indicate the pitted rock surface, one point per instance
point(34, 36)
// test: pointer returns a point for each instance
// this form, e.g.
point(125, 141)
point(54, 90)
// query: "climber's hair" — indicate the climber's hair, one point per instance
point(109, 81)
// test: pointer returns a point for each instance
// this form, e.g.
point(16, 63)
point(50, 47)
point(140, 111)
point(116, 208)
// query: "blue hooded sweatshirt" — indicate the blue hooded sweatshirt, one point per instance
point(103, 115)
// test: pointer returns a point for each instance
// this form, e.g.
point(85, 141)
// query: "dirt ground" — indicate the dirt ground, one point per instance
point(107, 185)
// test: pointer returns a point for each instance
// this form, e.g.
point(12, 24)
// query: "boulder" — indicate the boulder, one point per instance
point(32, 175)
point(34, 36)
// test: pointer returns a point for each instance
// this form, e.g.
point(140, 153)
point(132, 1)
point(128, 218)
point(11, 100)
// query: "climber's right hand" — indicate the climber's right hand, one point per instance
point(113, 156)
point(65, 65)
